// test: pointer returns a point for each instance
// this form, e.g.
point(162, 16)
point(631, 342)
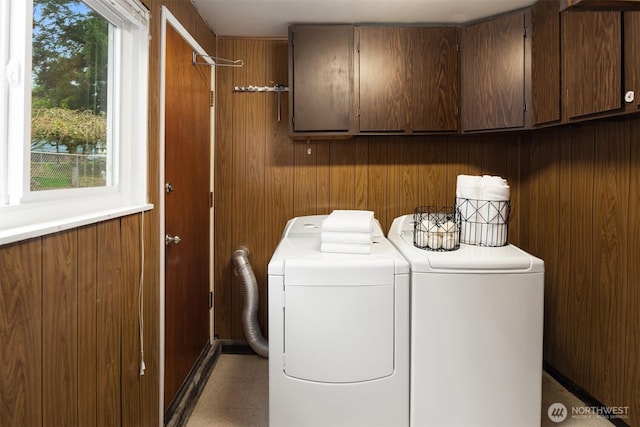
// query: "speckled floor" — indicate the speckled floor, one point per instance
point(237, 394)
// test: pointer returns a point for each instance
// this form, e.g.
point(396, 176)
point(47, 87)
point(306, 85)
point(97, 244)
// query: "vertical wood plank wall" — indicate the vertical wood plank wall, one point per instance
point(583, 221)
point(69, 342)
point(574, 197)
point(69, 346)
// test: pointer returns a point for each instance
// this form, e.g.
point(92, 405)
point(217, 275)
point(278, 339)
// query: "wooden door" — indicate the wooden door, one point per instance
point(187, 208)
point(321, 78)
point(434, 79)
point(385, 93)
point(493, 74)
point(592, 63)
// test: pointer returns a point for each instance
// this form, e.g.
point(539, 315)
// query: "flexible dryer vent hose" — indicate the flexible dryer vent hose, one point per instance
point(243, 270)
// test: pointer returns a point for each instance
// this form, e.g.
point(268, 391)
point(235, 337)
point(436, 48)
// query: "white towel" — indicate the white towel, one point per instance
point(495, 188)
point(356, 221)
point(344, 237)
point(346, 248)
point(481, 201)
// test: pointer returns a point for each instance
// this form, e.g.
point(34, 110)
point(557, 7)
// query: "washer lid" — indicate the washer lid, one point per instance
point(470, 257)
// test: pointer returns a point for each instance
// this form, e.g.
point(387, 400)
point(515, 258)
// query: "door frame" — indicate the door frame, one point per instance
point(169, 19)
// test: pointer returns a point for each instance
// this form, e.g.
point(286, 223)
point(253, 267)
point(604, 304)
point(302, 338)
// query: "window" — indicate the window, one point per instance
point(73, 122)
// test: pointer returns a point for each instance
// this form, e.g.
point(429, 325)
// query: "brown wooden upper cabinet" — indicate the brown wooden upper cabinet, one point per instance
point(321, 80)
point(591, 63)
point(494, 75)
point(632, 60)
point(408, 79)
point(545, 63)
point(630, 5)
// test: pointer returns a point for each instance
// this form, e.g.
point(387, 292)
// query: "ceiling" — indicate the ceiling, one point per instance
point(270, 18)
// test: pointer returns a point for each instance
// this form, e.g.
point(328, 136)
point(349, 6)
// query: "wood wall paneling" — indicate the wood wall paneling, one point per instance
point(242, 140)
point(632, 299)
point(608, 308)
point(581, 256)
point(547, 246)
point(377, 180)
point(21, 400)
point(131, 357)
point(279, 153)
point(254, 209)
point(87, 325)
point(70, 343)
point(223, 182)
point(109, 322)
point(60, 329)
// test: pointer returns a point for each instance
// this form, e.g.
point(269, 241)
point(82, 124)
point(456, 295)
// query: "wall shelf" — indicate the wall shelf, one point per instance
point(275, 88)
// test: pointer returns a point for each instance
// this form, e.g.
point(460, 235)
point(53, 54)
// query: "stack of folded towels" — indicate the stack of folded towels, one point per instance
point(484, 209)
point(347, 232)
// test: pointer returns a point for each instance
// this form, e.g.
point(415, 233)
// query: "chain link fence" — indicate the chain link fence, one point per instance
point(51, 171)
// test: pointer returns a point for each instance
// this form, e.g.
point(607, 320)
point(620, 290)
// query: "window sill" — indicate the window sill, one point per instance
point(40, 229)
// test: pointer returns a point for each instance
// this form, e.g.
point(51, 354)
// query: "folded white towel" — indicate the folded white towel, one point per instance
point(346, 237)
point(495, 188)
point(349, 220)
point(346, 248)
point(468, 181)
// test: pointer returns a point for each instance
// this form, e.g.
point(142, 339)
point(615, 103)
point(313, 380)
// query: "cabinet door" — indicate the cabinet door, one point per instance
point(493, 74)
point(385, 103)
point(545, 62)
point(632, 58)
point(592, 63)
point(321, 78)
point(434, 77)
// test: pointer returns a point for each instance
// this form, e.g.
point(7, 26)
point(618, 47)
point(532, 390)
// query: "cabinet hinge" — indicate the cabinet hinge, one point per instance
point(212, 99)
point(210, 299)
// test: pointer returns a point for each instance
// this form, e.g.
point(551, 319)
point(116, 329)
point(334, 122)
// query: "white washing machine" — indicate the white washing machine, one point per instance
point(476, 334)
point(338, 332)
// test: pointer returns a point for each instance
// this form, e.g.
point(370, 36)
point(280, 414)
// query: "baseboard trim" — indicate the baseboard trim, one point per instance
point(579, 392)
point(185, 400)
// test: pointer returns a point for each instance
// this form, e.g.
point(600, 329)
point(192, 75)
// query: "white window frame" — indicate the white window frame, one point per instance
point(25, 213)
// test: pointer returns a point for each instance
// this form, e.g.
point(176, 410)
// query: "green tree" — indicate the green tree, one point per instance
point(69, 128)
point(70, 74)
point(70, 56)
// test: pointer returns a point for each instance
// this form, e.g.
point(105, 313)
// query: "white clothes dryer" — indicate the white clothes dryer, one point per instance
point(338, 332)
point(476, 334)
